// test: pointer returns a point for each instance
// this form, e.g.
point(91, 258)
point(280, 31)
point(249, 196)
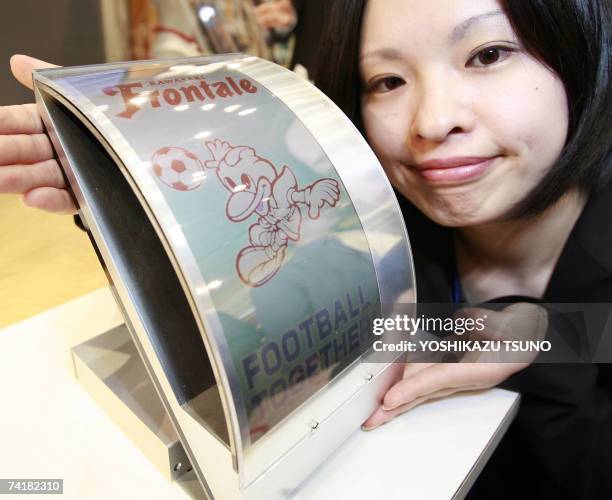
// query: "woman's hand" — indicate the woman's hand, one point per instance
point(277, 14)
point(27, 162)
point(426, 381)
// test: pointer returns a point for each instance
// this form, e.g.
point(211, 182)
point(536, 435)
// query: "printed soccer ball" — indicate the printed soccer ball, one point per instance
point(178, 168)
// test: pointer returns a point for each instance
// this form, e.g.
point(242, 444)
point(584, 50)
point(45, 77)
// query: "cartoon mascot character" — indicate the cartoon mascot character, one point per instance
point(257, 190)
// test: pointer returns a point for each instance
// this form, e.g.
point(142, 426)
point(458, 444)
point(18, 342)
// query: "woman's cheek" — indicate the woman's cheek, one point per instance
point(527, 111)
point(384, 132)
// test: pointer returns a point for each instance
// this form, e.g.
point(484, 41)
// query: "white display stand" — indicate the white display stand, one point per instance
point(51, 428)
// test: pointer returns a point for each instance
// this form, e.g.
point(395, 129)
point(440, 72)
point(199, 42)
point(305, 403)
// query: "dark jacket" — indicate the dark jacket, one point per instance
point(560, 444)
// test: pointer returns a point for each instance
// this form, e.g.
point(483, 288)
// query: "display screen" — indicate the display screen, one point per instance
point(238, 182)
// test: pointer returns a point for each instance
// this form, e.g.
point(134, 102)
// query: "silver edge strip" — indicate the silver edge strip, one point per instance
point(178, 251)
point(91, 69)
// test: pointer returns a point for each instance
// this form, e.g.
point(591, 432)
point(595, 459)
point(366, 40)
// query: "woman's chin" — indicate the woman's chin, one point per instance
point(450, 216)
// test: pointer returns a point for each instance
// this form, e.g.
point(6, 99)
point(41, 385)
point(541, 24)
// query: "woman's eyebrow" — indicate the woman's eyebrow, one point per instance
point(387, 54)
point(460, 30)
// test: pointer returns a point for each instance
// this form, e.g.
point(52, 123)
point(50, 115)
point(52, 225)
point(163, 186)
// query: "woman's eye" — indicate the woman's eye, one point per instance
point(386, 84)
point(489, 56)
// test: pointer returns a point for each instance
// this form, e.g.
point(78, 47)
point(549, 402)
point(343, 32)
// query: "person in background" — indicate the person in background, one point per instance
point(280, 15)
point(170, 29)
point(302, 18)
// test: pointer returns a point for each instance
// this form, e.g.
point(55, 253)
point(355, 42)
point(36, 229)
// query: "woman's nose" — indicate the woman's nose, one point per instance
point(441, 110)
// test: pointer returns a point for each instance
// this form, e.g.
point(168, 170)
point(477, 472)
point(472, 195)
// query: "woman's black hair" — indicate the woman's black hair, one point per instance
point(571, 37)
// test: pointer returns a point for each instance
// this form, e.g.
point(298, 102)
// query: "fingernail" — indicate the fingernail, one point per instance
point(389, 408)
point(372, 427)
point(366, 428)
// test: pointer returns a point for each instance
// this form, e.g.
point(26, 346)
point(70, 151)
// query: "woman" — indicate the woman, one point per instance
point(492, 121)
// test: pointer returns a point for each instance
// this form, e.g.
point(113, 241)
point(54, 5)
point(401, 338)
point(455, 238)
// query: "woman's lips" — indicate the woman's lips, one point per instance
point(454, 170)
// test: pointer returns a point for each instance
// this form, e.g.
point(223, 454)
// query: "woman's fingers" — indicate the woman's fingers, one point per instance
point(20, 119)
point(421, 383)
point(19, 179)
point(50, 199)
point(27, 163)
point(435, 381)
point(382, 416)
point(412, 368)
point(24, 149)
point(22, 67)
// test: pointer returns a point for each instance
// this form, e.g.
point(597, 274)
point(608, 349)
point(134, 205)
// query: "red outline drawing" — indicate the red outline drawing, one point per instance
point(179, 186)
point(258, 190)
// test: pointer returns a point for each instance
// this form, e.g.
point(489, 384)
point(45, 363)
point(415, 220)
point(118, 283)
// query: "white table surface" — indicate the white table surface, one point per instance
point(51, 428)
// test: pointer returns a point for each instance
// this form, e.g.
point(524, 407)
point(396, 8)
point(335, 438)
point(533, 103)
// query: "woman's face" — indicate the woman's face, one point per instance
point(464, 121)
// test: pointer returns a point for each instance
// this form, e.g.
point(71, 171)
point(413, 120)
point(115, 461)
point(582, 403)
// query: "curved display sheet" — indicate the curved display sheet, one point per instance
point(255, 218)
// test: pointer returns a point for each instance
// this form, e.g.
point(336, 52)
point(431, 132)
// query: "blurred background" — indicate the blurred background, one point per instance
point(44, 259)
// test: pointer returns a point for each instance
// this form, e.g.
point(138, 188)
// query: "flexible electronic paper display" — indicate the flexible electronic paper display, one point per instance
point(250, 237)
